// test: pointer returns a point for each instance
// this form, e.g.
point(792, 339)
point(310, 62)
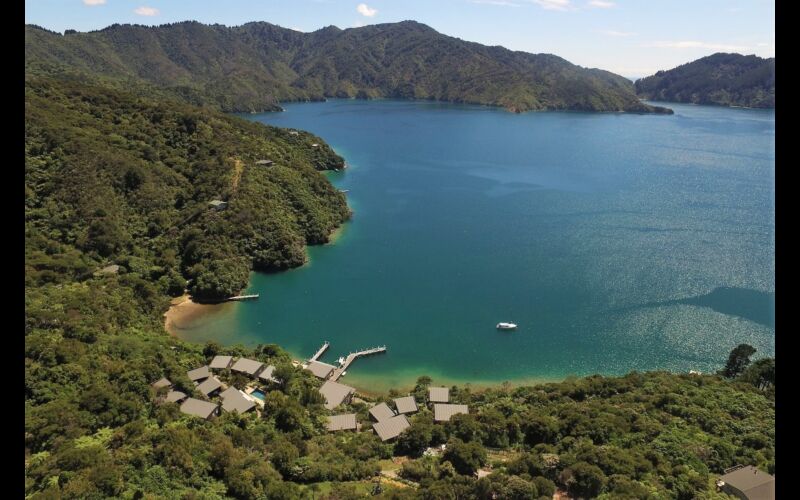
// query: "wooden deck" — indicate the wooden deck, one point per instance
point(352, 357)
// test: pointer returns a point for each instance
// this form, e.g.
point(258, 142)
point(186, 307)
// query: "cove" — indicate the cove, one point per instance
point(613, 241)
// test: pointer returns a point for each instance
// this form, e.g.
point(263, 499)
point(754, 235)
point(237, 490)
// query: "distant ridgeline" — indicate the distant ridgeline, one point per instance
point(723, 79)
point(255, 66)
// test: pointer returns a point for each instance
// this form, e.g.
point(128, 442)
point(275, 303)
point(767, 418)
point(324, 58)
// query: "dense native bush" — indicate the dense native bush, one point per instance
point(94, 341)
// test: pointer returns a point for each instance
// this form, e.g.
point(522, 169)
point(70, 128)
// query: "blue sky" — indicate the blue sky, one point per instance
point(630, 37)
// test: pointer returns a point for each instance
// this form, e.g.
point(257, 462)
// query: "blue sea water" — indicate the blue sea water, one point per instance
point(617, 242)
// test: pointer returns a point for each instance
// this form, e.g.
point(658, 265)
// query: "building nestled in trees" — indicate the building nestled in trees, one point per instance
point(346, 422)
point(221, 362)
point(247, 366)
point(320, 369)
point(381, 412)
point(747, 483)
point(198, 374)
point(336, 394)
point(406, 405)
point(438, 395)
point(390, 428)
point(199, 408)
point(443, 412)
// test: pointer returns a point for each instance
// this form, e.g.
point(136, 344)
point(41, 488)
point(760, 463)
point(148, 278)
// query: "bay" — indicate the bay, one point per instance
point(616, 242)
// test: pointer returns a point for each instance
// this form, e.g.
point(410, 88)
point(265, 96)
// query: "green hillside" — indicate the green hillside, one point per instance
point(254, 66)
point(722, 79)
point(112, 178)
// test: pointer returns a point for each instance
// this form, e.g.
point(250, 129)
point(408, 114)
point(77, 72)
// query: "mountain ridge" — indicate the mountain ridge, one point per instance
point(255, 66)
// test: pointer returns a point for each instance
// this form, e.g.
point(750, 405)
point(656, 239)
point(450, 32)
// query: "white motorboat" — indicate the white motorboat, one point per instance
point(506, 326)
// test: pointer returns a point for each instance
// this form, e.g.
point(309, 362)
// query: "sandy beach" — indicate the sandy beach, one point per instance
point(183, 312)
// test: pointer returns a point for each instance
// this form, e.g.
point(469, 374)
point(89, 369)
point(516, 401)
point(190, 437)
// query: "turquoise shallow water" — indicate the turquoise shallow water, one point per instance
point(616, 242)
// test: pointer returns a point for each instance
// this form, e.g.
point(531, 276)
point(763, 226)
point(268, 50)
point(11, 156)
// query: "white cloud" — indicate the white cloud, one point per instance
point(146, 11)
point(504, 3)
point(691, 44)
point(366, 10)
point(552, 4)
point(94, 2)
point(295, 28)
point(617, 33)
point(601, 4)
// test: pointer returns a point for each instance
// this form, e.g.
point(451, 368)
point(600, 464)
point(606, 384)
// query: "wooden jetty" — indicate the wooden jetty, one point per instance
point(352, 357)
point(244, 297)
point(319, 352)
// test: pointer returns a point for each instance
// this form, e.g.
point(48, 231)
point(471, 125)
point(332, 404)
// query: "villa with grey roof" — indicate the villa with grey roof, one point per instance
point(209, 386)
point(438, 394)
point(248, 366)
point(199, 408)
point(234, 400)
point(747, 483)
point(443, 412)
point(266, 375)
point(320, 369)
point(381, 412)
point(406, 405)
point(220, 362)
point(390, 428)
point(198, 374)
point(162, 382)
point(336, 394)
point(346, 422)
point(175, 397)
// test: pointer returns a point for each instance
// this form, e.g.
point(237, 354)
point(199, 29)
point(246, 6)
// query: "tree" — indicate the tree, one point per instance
point(738, 360)
point(467, 458)
point(414, 440)
point(583, 480)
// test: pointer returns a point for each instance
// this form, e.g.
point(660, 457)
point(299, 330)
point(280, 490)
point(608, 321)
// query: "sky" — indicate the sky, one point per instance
point(633, 38)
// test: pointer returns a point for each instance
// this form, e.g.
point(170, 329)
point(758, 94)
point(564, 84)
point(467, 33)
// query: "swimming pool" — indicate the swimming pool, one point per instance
point(258, 394)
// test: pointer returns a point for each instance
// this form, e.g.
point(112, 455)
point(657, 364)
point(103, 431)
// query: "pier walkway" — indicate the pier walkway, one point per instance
point(319, 352)
point(352, 357)
point(243, 297)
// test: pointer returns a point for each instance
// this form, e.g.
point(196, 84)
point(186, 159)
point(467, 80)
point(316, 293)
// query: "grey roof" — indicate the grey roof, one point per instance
point(217, 203)
point(438, 394)
point(344, 422)
point(335, 393)
point(234, 400)
point(175, 397)
point(320, 369)
point(208, 386)
point(230, 391)
point(248, 366)
point(443, 412)
point(391, 427)
point(198, 408)
point(264, 162)
point(406, 404)
point(198, 373)
point(755, 484)
point(221, 362)
point(266, 374)
point(381, 412)
point(162, 382)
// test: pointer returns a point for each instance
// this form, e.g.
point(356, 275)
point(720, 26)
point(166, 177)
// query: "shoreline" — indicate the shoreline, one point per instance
point(183, 310)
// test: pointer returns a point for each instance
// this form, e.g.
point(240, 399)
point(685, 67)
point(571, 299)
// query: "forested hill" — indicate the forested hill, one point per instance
point(722, 79)
point(254, 66)
point(116, 179)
